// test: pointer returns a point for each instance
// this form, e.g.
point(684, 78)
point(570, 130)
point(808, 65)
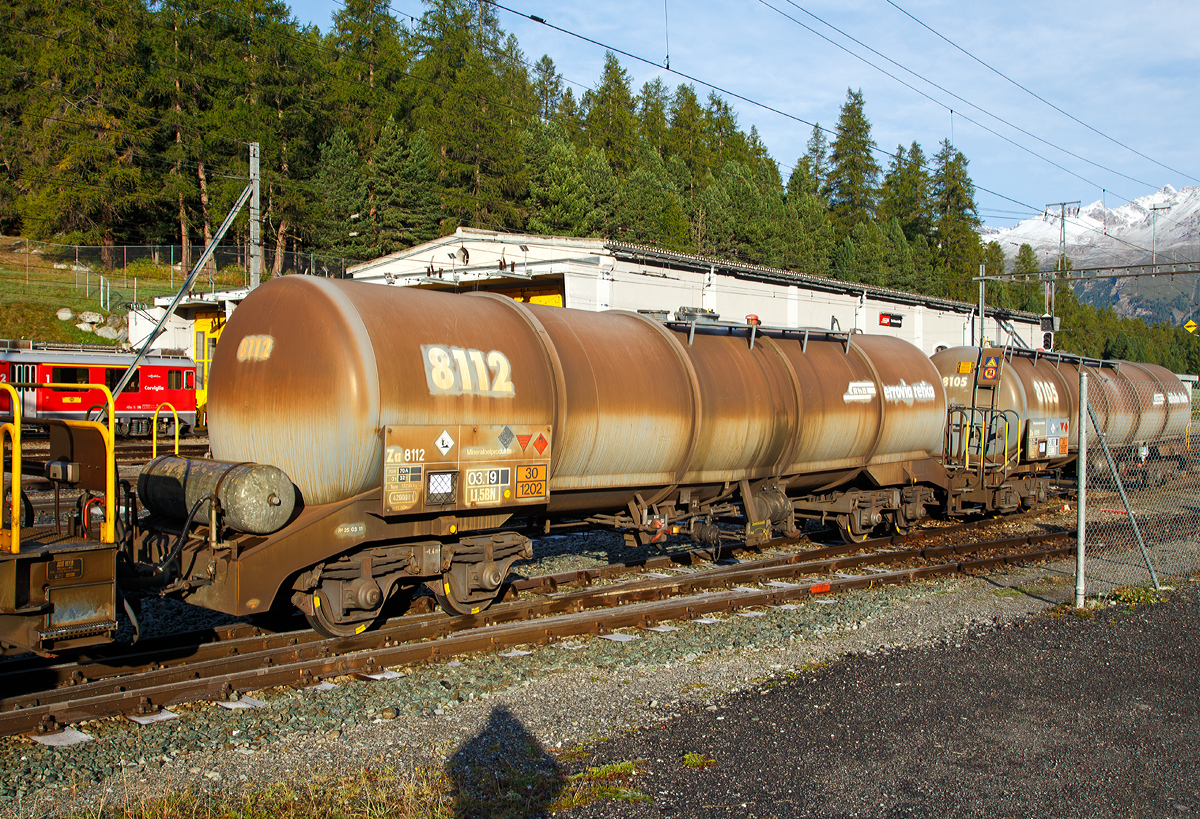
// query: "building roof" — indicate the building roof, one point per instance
point(590, 250)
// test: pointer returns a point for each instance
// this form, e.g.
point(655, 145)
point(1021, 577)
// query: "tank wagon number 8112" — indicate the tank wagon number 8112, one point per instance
point(447, 430)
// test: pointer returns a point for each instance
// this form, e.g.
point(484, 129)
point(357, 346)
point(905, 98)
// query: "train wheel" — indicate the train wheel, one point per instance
point(323, 624)
point(453, 603)
point(847, 533)
point(898, 524)
point(850, 537)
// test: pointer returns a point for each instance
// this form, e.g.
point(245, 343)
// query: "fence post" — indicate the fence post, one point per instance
point(27, 264)
point(172, 267)
point(125, 248)
point(1081, 465)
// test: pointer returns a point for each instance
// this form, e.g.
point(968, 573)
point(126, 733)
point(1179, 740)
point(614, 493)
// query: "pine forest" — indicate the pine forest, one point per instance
point(127, 123)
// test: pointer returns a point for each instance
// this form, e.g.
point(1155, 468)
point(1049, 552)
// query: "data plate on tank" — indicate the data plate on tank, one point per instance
point(1047, 438)
point(440, 468)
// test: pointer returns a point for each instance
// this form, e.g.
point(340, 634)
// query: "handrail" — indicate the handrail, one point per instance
point(109, 529)
point(154, 429)
point(12, 537)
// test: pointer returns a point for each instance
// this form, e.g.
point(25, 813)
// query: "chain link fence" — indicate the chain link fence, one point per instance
point(1140, 505)
point(113, 277)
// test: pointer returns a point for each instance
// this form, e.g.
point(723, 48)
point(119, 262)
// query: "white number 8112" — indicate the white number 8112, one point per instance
point(458, 371)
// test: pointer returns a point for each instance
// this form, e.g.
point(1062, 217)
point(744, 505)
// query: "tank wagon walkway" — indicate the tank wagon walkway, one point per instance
point(1054, 717)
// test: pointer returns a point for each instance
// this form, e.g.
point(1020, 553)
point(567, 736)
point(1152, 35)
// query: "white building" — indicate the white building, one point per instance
point(600, 274)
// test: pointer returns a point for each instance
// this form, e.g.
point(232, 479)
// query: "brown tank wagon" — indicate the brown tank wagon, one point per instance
point(420, 428)
point(1025, 405)
point(371, 440)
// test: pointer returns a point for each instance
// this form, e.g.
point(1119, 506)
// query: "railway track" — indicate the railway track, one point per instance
point(41, 696)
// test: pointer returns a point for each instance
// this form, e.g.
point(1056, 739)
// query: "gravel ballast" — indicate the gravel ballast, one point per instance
point(591, 692)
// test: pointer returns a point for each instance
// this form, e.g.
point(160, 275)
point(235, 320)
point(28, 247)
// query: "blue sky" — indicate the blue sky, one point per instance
point(1129, 70)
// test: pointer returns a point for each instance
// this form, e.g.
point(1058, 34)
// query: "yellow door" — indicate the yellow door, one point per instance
point(207, 330)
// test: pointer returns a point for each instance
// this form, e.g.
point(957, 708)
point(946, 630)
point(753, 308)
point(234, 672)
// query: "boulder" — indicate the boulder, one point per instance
point(65, 314)
point(116, 320)
point(91, 318)
point(107, 332)
point(83, 325)
point(123, 335)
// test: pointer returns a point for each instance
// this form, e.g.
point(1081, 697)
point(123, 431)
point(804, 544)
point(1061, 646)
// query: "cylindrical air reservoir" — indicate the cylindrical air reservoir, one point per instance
point(255, 499)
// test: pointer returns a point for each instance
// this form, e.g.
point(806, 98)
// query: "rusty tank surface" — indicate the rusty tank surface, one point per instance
point(630, 403)
point(424, 431)
point(1133, 402)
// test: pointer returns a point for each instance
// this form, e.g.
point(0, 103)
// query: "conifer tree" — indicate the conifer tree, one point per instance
point(905, 193)
point(547, 87)
point(652, 103)
point(685, 134)
point(472, 100)
point(648, 207)
point(957, 219)
point(344, 225)
point(83, 172)
point(609, 120)
point(366, 59)
point(403, 179)
point(569, 117)
point(853, 171)
point(1027, 268)
point(809, 176)
point(561, 201)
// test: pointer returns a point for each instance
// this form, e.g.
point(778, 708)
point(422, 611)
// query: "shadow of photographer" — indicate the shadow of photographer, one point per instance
point(503, 771)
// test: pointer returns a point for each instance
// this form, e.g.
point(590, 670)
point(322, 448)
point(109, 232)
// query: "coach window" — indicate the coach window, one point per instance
point(68, 375)
point(112, 377)
point(190, 379)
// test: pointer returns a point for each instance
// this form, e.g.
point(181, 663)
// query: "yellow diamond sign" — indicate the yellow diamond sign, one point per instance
point(1190, 326)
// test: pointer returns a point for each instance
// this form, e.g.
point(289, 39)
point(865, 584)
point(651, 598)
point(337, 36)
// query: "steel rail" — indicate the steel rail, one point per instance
point(107, 662)
point(434, 636)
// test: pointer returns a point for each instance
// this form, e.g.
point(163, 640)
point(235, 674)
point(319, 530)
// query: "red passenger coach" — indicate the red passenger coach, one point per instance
point(161, 378)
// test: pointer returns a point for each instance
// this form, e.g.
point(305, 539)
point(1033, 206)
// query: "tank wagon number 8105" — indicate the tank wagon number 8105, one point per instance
point(455, 371)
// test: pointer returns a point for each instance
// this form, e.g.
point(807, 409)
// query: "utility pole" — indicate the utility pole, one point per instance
point(255, 219)
point(1048, 291)
point(982, 282)
point(1154, 209)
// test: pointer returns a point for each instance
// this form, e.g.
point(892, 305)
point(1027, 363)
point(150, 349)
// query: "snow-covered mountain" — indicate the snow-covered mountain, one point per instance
point(1165, 223)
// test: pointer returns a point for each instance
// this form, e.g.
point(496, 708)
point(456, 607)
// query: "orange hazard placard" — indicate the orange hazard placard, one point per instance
point(531, 481)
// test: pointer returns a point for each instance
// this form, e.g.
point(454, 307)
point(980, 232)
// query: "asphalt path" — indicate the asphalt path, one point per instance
point(1059, 716)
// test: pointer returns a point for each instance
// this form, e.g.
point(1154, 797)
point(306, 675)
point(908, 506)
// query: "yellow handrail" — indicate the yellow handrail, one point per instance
point(12, 537)
point(154, 429)
point(108, 532)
